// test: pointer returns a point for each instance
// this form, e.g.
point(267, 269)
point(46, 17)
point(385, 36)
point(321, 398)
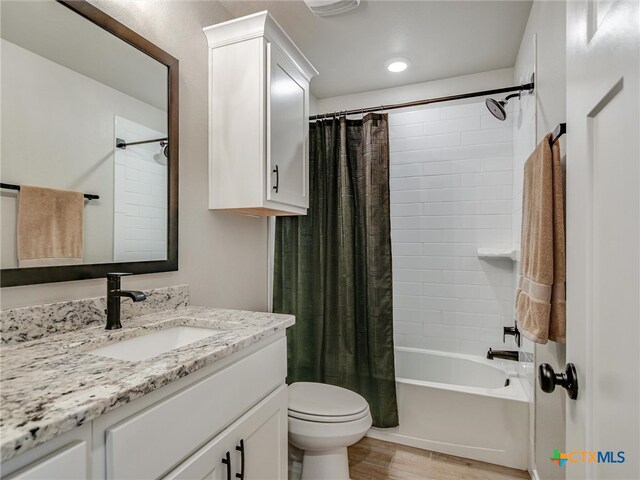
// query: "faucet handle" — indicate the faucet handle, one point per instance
point(118, 274)
point(113, 279)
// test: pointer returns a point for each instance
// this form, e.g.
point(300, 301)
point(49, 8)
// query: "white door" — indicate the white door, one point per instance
point(287, 131)
point(603, 238)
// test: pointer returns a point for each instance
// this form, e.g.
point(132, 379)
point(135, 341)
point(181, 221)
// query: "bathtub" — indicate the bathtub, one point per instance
point(460, 405)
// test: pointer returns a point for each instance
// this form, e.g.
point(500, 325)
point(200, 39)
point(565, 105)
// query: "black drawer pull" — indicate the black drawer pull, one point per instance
point(240, 448)
point(227, 461)
point(277, 172)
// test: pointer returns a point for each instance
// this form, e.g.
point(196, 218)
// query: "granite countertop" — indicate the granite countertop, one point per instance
point(52, 385)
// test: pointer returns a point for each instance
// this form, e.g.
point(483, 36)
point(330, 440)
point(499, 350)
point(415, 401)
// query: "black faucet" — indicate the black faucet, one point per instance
point(113, 299)
point(504, 354)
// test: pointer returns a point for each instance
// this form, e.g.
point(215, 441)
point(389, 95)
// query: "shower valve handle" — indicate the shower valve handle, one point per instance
point(511, 331)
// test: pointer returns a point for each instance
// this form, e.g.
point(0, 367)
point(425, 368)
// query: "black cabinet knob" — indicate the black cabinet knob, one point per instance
point(548, 379)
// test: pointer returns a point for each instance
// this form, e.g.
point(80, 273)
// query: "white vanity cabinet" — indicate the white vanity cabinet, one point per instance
point(247, 448)
point(182, 430)
point(167, 432)
point(258, 118)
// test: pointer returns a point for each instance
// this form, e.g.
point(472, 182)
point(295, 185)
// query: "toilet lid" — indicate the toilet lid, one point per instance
point(325, 403)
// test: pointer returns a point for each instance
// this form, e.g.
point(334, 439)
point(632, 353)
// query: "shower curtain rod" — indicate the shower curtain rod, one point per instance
point(120, 143)
point(518, 88)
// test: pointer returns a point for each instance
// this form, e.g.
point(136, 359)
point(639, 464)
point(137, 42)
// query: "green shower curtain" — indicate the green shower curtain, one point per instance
point(333, 266)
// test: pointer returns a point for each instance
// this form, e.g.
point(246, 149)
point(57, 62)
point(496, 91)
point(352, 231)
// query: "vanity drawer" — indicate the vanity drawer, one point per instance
point(150, 443)
point(68, 463)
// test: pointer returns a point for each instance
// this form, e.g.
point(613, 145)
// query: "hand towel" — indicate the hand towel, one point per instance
point(540, 299)
point(50, 227)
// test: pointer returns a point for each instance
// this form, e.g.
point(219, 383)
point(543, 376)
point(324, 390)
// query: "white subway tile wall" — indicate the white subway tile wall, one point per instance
point(451, 193)
point(140, 197)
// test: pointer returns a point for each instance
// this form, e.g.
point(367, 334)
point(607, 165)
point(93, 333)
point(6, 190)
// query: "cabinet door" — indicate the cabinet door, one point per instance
point(264, 439)
point(256, 444)
point(287, 131)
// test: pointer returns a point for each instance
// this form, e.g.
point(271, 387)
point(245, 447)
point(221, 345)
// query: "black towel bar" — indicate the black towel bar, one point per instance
point(11, 186)
point(560, 130)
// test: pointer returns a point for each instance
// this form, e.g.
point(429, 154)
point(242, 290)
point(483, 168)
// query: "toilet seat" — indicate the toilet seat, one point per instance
point(318, 402)
point(327, 418)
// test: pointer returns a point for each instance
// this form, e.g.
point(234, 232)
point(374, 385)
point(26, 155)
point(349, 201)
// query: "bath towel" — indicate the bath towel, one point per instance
point(50, 227)
point(540, 299)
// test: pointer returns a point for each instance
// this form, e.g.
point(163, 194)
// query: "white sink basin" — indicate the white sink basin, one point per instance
point(155, 343)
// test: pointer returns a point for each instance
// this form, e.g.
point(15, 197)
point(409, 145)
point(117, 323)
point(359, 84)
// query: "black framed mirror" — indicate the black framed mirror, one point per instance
point(89, 106)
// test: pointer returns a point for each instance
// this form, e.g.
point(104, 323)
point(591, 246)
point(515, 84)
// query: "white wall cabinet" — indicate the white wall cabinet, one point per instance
point(240, 400)
point(258, 118)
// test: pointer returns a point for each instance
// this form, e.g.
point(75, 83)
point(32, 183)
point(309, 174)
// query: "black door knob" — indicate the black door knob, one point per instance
point(568, 380)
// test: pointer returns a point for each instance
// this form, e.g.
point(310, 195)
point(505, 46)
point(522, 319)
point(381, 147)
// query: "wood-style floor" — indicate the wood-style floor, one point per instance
point(371, 459)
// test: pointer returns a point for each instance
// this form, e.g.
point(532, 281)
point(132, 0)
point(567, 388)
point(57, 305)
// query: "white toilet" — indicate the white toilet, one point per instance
point(323, 421)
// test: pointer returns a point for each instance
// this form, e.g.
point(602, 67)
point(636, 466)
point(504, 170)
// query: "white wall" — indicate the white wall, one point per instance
point(223, 257)
point(539, 115)
point(407, 93)
point(58, 132)
point(313, 105)
point(451, 193)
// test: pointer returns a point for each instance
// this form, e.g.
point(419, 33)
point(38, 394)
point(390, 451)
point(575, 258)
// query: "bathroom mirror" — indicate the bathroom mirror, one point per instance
point(89, 106)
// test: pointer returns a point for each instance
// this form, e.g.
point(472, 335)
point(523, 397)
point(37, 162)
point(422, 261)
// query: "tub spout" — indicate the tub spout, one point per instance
point(504, 354)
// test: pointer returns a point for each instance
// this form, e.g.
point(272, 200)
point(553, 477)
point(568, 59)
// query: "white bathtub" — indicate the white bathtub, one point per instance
point(459, 405)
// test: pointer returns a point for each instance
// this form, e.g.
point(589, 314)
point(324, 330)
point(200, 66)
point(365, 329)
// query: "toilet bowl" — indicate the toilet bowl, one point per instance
point(323, 421)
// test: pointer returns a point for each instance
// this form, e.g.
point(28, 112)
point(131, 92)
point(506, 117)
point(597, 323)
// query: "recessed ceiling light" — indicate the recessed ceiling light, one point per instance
point(397, 65)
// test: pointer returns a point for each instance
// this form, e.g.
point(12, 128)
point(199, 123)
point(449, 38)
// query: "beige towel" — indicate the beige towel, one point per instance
point(50, 227)
point(540, 299)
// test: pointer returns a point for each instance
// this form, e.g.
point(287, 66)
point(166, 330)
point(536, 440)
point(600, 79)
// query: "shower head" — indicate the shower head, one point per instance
point(496, 107)
point(162, 158)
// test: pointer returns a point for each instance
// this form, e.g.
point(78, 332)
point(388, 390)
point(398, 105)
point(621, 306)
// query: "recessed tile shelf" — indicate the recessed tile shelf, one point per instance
point(488, 253)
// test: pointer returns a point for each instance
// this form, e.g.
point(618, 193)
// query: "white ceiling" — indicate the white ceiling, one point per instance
point(442, 39)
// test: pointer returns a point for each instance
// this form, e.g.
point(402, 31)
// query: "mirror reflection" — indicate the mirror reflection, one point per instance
point(82, 111)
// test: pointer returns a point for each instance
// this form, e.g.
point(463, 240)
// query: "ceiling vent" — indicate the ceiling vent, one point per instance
point(324, 8)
